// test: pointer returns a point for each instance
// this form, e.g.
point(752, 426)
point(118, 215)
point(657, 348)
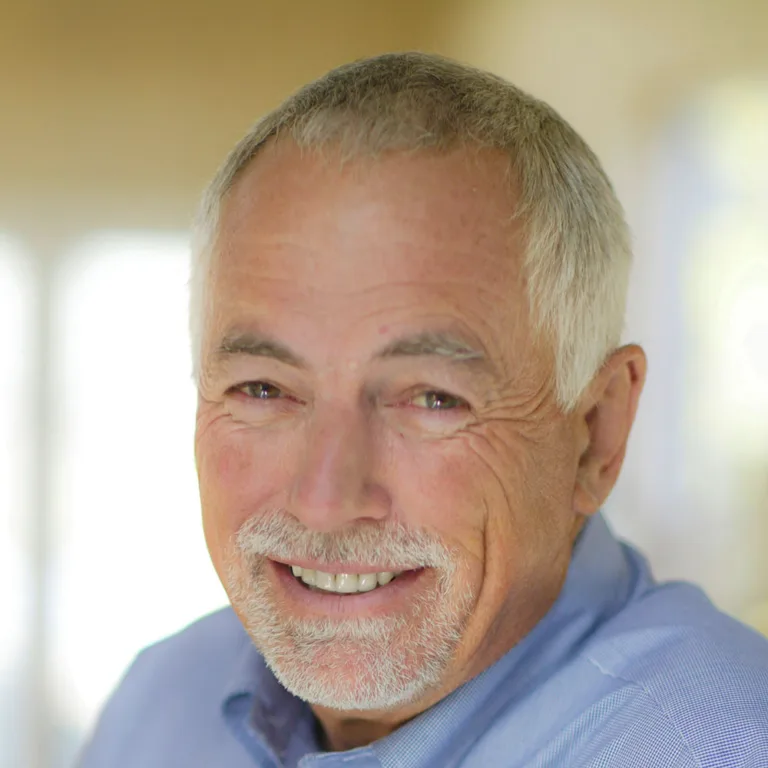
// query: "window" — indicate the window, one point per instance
point(696, 479)
point(16, 585)
point(123, 561)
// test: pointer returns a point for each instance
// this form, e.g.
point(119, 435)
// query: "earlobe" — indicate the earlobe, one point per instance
point(585, 503)
point(606, 421)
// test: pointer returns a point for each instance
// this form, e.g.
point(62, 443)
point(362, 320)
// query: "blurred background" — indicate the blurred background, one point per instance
point(113, 116)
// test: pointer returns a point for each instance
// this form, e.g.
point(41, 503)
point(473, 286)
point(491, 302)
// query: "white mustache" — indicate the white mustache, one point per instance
point(281, 536)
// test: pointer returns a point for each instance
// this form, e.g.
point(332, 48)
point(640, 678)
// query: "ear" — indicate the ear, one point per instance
point(604, 418)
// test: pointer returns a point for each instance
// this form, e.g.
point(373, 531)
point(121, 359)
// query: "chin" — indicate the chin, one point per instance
point(353, 685)
point(380, 663)
point(356, 662)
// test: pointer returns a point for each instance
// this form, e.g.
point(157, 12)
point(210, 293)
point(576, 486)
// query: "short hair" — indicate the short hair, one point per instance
point(578, 252)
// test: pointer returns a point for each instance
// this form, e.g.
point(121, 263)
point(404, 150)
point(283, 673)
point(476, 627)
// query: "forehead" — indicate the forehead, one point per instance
point(407, 237)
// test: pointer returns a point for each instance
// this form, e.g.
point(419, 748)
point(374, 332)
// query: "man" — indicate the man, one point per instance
point(408, 294)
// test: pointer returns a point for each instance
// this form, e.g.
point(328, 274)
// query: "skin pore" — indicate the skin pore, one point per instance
point(368, 362)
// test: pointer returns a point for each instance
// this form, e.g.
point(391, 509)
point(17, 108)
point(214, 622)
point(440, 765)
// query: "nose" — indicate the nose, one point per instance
point(334, 484)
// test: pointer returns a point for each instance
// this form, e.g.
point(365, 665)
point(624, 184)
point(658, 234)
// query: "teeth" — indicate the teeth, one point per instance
point(366, 582)
point(308, 577)
point(344, 583)
point(325, 581)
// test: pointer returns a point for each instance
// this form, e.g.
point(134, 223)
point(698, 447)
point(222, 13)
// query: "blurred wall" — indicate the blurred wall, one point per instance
point(116, 113)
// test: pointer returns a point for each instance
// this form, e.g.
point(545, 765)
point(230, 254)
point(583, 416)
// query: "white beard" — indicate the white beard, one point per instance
point(357, 663)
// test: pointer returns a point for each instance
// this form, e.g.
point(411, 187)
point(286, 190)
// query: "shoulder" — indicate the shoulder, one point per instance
point(199, 655)
point(212, 638)
point(172, 688)
point(702, 674)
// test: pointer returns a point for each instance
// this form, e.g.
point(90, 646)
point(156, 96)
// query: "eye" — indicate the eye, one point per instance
point(260, 390)
point(436, 400)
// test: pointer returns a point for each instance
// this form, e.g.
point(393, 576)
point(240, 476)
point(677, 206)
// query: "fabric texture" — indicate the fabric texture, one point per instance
point(621, 671)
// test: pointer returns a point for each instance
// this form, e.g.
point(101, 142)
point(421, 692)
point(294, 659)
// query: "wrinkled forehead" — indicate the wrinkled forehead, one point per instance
point(308, 228)
point(450, 212)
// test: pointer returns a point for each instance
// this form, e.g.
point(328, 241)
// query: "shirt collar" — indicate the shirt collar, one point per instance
point(259, 709)
point(598, 583)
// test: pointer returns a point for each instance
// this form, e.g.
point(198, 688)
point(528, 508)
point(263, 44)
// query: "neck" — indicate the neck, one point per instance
point(341, 731)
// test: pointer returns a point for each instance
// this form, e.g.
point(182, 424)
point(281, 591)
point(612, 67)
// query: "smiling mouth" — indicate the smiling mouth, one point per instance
point(343, 583)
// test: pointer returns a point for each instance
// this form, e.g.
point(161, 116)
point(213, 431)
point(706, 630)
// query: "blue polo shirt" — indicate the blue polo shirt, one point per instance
point(621, 671)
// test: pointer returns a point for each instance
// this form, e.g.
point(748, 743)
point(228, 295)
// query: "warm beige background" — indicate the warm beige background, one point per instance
point(114, 113)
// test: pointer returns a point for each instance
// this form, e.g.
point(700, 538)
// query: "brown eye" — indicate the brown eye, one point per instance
point(437, 401)
point(260, 390)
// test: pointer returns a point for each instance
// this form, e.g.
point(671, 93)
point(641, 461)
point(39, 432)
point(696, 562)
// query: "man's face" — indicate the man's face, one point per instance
point(372, 401)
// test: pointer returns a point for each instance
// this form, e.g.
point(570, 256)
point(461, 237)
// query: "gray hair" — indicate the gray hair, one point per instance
point(578, 252)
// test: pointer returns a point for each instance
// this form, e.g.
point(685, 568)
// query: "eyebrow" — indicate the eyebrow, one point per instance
point(426, 344)
point(256, 345)
point(431, 344)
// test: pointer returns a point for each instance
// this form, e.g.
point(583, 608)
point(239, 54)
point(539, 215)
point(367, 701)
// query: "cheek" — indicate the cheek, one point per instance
point(440, 484)
point(475, 493)
point(529, 519)
point(239, 474)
